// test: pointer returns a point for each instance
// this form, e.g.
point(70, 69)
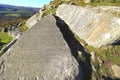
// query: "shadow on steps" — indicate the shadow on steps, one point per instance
point(75, 47)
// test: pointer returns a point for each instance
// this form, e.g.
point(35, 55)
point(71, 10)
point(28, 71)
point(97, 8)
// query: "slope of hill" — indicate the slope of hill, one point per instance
point(8, 11)
point(10, 17)
point(96, 63)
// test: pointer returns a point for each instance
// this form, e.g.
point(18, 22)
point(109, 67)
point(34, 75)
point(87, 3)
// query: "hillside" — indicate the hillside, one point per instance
point(86, 30)
point(12, 20)
point(13, 12)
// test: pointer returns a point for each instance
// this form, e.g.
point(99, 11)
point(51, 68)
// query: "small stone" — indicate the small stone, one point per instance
point(93, 56)
point(79, 53)
point(116, 70)
point(100, 61)
point(93, 68)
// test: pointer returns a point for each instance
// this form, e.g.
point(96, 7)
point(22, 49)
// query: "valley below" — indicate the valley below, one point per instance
point(12, 22)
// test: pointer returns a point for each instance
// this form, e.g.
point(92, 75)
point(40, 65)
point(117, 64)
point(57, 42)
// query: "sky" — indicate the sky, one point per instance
point(27, 3)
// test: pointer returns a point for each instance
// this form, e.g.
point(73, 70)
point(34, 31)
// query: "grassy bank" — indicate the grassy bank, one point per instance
point(105, 57)
point(4, 39)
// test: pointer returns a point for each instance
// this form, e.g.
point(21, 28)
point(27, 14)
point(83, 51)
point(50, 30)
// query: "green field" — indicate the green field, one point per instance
point(13, 15)
point(10, 12)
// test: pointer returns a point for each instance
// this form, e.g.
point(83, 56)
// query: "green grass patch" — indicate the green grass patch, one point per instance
point(105, 3)
point(93, 2)
point(13, 15)
point(109, 54)
point(5, 38)
point(23, 28)
point(49, 11)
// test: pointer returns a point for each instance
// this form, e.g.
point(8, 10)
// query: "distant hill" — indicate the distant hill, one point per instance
point(15, 12)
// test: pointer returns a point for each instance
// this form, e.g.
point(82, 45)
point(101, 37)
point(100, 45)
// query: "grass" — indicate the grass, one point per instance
point(117, 3)
point(49, 11)
point(13, 15)
point(93, 3)
point(106, 70)
point(5, 38)
point(56, 3)
point(109, 55)
point(23, 28)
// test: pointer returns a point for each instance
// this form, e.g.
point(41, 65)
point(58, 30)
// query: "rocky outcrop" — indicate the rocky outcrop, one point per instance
point(41, 54)
point(97, 28)
point(34, 19)
point(116, 70)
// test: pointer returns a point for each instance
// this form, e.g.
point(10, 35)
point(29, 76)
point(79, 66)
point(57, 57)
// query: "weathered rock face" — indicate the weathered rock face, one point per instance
point(96, 27)
point(112, 9)
point(116, 70)
point(33, 20)
point(41, 54)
